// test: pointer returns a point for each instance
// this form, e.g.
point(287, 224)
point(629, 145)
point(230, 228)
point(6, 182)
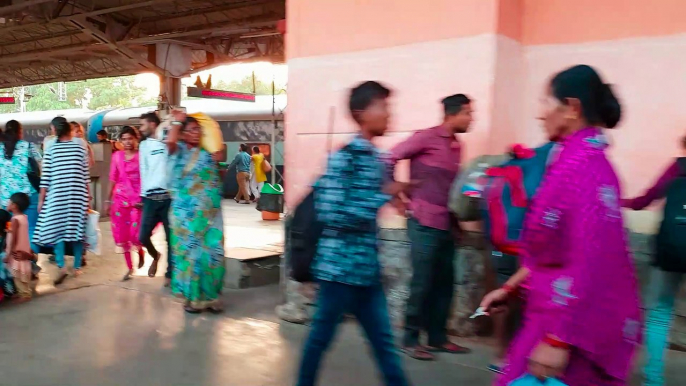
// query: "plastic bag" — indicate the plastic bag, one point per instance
point(465, 193)
point(93, 235)
point(211, 139)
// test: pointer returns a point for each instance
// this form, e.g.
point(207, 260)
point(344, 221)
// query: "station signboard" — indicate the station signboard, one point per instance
point(220, 94)
point(7, 100)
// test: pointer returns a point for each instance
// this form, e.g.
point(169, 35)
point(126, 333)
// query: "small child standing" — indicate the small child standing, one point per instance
point(19, 255)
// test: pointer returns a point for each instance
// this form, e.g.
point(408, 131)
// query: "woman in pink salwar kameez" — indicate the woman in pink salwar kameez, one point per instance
point(582, 322)
point(125, 199)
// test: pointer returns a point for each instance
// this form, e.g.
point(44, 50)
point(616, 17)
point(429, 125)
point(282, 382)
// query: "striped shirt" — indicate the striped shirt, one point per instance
point(66, 176)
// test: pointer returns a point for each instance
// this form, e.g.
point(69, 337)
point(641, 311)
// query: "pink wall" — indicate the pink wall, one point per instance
point(413, 71)
point(500, 52)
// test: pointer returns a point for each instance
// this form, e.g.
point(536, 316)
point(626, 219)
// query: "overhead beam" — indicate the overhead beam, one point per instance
point(197, 46)
point(123, 51)
point(21, 5)
point(99, 12)
point(141, 4)
point(42, 37)
point(222, 8)
point(35, 54)
point(211, 30)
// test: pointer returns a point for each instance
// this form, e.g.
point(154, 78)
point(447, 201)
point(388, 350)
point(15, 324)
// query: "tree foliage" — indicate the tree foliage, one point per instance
point(93, 94)
point(117, 92)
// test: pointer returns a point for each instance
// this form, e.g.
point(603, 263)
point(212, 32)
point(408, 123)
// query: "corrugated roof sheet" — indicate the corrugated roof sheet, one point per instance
point(48, 40)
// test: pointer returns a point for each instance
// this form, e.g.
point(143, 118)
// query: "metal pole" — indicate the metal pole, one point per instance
point(273, 145)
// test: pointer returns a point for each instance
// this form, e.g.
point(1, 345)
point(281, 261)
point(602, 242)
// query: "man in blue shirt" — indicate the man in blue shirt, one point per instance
point(242, 164)
point(347, 199)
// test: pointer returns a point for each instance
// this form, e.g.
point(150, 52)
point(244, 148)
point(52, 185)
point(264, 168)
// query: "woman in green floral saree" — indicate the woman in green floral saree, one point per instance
point(197, 234)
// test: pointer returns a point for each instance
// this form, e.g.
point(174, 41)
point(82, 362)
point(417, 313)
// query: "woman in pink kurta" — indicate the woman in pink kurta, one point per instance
point(125, 198)
point(582, 321)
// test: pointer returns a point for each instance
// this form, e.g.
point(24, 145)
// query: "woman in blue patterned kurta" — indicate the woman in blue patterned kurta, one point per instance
point(197, 235)
point(14, 165)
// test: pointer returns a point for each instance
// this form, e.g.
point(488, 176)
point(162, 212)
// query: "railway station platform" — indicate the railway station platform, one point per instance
point(97, 330)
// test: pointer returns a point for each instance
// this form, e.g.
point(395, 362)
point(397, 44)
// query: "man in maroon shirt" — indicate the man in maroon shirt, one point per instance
point(434, 156)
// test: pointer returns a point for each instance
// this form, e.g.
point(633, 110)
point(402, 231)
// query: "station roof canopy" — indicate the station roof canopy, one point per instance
point(45, 41)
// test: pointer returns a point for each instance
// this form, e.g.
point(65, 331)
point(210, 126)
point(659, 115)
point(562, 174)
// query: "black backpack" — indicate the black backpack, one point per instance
point(671, 239)
point(303, 232)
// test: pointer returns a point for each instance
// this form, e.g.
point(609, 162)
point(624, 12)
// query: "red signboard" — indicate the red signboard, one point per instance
point(219, 94)
point(6, 100)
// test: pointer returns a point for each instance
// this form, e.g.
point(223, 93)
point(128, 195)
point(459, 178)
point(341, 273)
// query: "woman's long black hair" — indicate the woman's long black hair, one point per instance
point(12, 134)
point(598, 102)
point(62, 129)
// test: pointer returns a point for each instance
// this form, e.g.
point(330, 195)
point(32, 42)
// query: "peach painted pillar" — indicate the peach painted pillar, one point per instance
point(422, 52)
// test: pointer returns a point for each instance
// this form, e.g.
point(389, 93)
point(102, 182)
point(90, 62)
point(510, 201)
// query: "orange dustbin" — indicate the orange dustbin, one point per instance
point(271, 202)
point(270, 216)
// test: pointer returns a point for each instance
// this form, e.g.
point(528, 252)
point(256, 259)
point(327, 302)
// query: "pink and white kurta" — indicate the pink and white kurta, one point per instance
point(125, 215)
point(582, 288)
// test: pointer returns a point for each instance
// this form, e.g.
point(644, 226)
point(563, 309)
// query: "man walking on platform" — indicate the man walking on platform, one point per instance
point(347, 199)
point(242, 165)
point(434, 156)
point(154, 156)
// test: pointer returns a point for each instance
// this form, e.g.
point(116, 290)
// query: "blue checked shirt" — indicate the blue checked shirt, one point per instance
point(347, 199)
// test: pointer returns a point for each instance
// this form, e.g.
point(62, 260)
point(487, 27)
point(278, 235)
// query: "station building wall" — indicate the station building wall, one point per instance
point(500, 53)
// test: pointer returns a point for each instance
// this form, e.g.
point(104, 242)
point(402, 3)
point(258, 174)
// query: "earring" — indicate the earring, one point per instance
point(571, 116)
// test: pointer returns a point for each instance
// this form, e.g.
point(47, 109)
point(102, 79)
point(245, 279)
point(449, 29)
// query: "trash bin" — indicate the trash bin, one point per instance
point(271, 201)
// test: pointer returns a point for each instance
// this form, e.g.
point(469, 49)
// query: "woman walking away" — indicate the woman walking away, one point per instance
point(19, 171)
point(258, 175)
point(19, 255)
point(582, 322)
point(195, 218)
point(80, 133)
point(668, 271)
point(63, 201)
point(125, 199)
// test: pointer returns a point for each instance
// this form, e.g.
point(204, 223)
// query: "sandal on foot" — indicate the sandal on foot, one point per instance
point(141, 259)
point(60, 279)
point(419, 353)
point(215, 309)
point(127, 277)
point(450, 348)
point(495, 368)
point(191, 310)
point(152, 271)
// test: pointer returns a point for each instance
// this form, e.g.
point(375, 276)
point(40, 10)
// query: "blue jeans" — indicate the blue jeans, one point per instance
point(78, 253)
point(664, 287)
point(368, 304)
point(32, 215)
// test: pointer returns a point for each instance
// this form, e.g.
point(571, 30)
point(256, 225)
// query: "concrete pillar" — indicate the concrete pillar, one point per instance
point(174, 61)
point(170, 92)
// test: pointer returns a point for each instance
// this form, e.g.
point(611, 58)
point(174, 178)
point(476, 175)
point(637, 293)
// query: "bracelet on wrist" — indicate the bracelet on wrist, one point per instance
point(509, 289)
point(555, 342)
point(177, 123)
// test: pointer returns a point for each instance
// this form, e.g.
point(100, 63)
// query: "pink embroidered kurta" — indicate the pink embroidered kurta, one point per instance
point(126, 216)
point(582, 287)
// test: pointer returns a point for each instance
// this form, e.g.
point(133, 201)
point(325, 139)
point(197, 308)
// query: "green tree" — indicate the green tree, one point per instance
point(94, 94)
point(44, 99)
point(114, 93)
